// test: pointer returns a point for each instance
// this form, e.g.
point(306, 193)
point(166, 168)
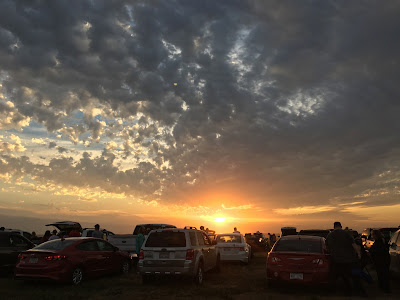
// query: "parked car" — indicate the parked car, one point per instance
point(367, 236)
point(25, 234)
point(233, 247)
point(186, 252)
point(257, 241)
point(394, 251)
point(11, 245)
point(300, 259)
point(87, 232)
point(66, 226)
point(127, 242)
point(71, 260)
point(315, 232)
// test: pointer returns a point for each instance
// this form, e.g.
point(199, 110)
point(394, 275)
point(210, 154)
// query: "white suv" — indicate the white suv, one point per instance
point(185, 251)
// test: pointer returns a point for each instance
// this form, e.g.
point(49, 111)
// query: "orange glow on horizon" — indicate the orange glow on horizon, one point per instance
point(220, 220)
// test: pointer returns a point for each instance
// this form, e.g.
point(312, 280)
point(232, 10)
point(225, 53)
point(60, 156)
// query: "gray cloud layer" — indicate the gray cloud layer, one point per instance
point(295, 100)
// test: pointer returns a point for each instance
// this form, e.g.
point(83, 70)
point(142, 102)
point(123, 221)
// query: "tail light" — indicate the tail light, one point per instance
point(55, 257)
point(141, 254)
point(189, 254)
point(21, 256)
point(318, 261)
point(260, 240)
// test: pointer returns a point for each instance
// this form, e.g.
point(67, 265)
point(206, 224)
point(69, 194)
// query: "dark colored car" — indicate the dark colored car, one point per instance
point(71, 260)
point(315, 232)
point(394, 251)
point(298, 259)
point(257, 241)
point(11, 245)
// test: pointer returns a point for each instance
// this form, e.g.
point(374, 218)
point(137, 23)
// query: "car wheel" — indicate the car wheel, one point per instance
point(218, 264)
point(125, 267)
point(77, 276)
point(199, 277)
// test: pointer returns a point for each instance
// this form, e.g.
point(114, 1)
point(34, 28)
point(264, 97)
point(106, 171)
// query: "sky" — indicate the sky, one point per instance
point(257, 114)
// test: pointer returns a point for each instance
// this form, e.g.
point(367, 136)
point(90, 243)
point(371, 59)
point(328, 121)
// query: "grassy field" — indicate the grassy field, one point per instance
point(235, 281)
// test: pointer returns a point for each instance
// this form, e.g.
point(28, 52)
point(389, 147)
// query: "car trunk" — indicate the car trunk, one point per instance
point(230, 249)
point(37, 259)
point(164, 257)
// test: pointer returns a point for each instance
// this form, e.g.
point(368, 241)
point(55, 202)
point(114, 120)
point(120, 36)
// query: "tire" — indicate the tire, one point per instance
point(199, 277)
point(125, 267)
point(218, 265)
point(77, 276)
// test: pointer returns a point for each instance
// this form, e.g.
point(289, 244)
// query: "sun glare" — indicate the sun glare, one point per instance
point(219, 220)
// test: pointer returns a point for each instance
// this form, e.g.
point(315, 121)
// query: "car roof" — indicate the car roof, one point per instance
point(233, 233)
point(301, 237)
point(315, 230)
point(155, 224)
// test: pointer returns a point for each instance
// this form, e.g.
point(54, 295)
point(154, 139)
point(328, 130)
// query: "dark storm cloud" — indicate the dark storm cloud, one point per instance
point(297, 100)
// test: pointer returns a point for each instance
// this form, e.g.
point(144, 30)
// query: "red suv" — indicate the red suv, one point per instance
point(298, 259)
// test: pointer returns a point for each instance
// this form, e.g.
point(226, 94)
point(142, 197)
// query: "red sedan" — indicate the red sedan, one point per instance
point(71, 260)
point(299, 259)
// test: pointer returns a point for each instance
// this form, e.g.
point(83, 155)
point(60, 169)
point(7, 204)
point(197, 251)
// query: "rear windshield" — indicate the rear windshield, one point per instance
point(166, 239)
point(150, 227)
point(55, 245)
point(298, 246)
point(321, 233)
point(228, 239)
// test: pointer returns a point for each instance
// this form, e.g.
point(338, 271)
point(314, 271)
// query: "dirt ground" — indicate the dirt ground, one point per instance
point(235, 281)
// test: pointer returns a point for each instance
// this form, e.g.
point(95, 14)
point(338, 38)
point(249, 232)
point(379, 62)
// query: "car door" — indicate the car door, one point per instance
point(110, 261)
point(208, 254)
point(90, 257)
point(394, 251)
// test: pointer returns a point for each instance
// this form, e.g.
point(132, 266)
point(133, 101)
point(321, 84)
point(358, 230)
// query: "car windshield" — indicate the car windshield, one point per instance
point(166, 239)
point(228, 239)
point(55, 245)
point(298, 245)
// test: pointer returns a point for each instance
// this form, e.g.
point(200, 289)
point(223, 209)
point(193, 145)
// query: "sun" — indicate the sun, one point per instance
point(219, 220)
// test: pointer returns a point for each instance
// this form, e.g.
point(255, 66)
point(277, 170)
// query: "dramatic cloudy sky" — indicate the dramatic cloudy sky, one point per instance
point(265, 113)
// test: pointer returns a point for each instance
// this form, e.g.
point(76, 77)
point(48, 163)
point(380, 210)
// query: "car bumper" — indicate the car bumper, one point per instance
point(242, 257)
point(319, 276)
point(52, 273)
point(187, 269)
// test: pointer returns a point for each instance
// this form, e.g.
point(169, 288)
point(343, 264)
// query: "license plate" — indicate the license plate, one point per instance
point(33, 260)
point(298, 276)
point(164, 255)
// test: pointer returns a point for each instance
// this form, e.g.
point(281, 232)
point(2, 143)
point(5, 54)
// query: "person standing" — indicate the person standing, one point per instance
point(46, 236)
point(344, 255)
point(235, 230)
point(97, 233)
point(54, 236)
point(381, 259)
point(140, 239)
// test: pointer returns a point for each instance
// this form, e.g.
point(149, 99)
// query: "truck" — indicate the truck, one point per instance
point(127, 242)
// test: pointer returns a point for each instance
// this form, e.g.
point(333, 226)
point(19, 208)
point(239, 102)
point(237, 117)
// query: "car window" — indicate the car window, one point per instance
point(88, 246)
point(4, 241)
point(206, 239)
point(229, 239)
point(200, 238)
point(17, 241)
point(104, 246)
point(166, 239)
point(27, 235)
point(55, 245)
point(89, 233)
point(193, 240)
point(299, 245)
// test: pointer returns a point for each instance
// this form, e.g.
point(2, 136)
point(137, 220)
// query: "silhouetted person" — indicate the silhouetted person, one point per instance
point(381, 259)
point(54, 236)
point(46, 236)
point(202, 227)
point(97, 233)
point(344, 255)
point(2, 228)
point(235, 230)
point(140, 239)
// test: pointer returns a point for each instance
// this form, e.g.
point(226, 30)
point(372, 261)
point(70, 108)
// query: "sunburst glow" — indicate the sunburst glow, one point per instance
point(219, 220)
